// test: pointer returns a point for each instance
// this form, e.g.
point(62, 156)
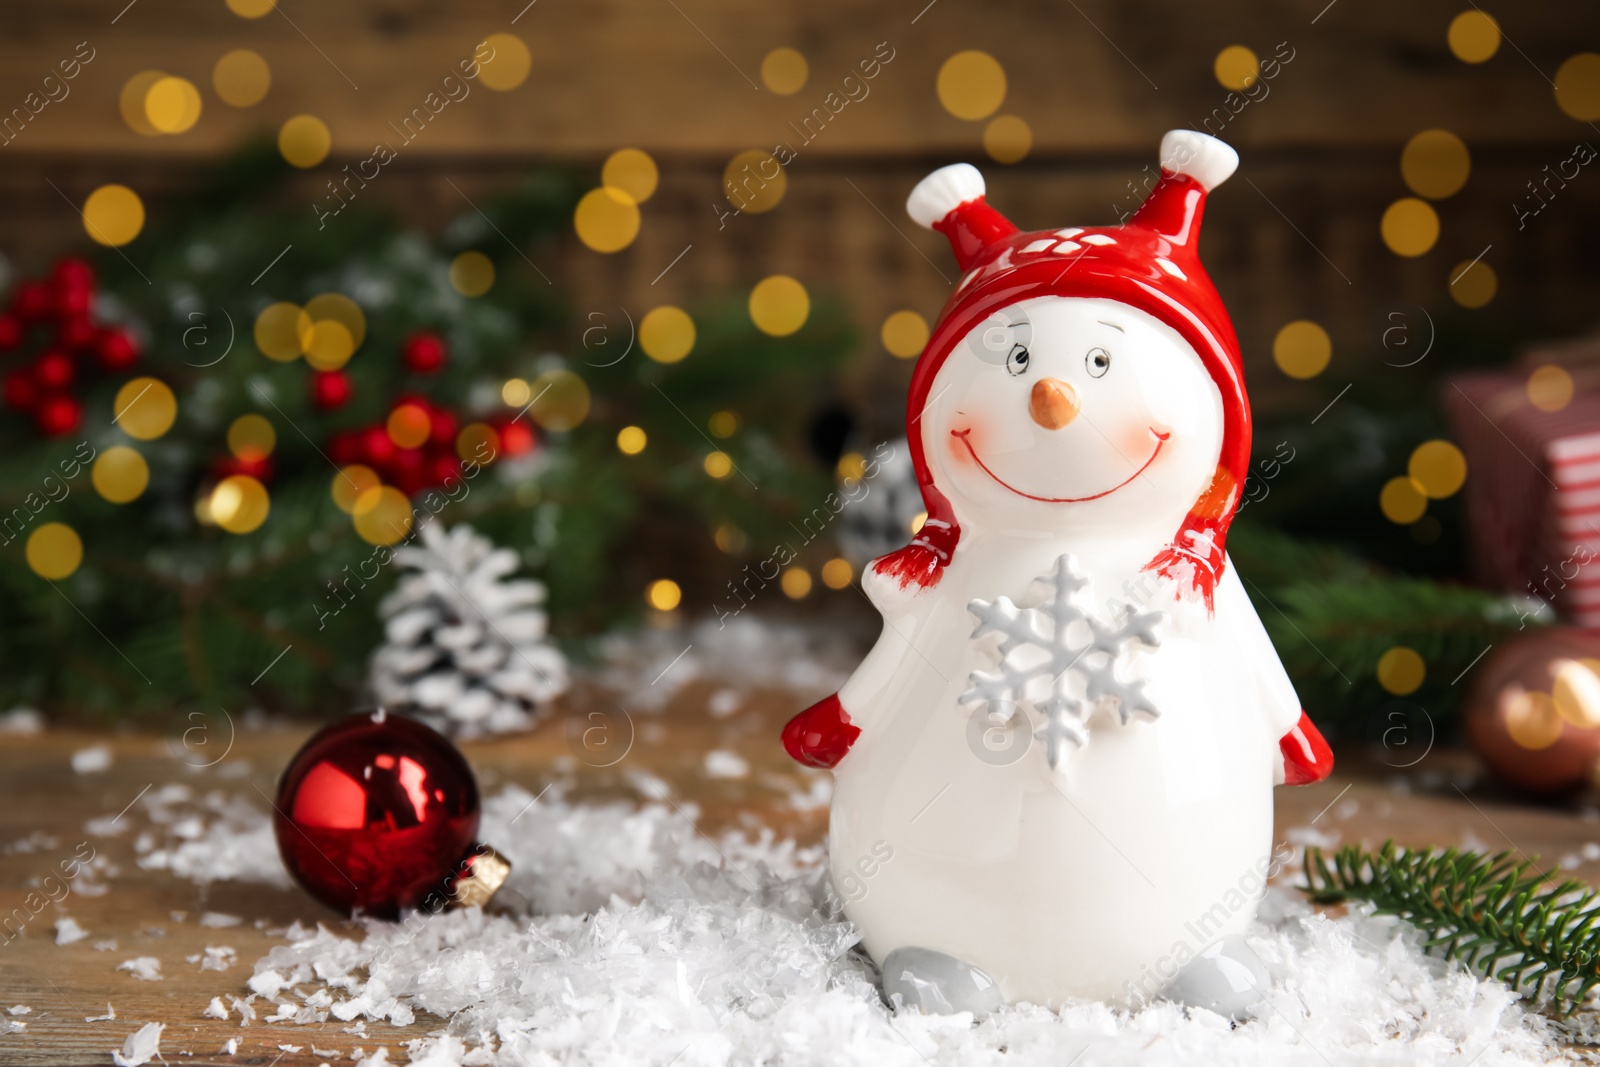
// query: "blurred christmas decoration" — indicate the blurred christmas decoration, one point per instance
point(883, 510)
point(1533, 711)
point(378, 814)
point(466, 648)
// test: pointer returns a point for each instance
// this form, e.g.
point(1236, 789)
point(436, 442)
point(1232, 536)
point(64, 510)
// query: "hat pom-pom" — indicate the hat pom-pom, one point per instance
point(1199, 156)
point(942, 192)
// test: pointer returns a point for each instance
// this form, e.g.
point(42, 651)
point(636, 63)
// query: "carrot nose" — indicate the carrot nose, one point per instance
point(1053, 403)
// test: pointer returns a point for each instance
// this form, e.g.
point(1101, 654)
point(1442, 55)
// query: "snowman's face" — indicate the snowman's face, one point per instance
point(1059, 412)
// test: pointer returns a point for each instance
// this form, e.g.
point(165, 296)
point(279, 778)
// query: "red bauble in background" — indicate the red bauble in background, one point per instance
point(1533, 710)
point(378, 813)
point(56, 415)
point(330, 388)
point(10, 332)
point(116, 349)
point(424, 352)
point(32, 301)
point(54, 371)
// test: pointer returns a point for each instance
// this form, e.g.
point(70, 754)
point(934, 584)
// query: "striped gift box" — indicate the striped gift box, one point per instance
point(1533, 484)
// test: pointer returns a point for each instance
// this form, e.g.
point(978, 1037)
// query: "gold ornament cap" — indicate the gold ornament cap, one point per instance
point(479, 877)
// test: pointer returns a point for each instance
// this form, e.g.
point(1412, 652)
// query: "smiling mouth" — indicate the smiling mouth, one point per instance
point(1161, 439)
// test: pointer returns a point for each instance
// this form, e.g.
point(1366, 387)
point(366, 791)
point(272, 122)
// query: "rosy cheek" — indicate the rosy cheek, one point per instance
point(958, 447)
point(1137, 442)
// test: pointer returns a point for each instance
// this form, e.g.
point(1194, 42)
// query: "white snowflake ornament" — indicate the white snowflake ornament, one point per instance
point(1061, 660)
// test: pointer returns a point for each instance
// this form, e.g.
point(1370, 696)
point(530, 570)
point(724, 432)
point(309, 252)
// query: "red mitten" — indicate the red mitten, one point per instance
point(1306, 756)
point(821, 735)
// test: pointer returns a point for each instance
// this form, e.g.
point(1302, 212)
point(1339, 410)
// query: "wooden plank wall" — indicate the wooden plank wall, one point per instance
point(1295, 235)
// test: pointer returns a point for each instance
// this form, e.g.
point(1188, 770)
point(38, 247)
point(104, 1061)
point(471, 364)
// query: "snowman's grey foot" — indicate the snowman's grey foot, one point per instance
point(937, 983)
point(1227, 978)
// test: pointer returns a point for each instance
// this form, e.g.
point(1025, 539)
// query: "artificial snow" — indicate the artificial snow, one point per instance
point(111, 1013)
point(144, 968)
point(720, 763)
point(19, 1009)
point(142, 1046)
point(68, 931)
point(92, 760)
point(219, 919)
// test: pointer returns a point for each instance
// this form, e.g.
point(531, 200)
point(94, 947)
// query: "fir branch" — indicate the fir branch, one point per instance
point(1498, 915)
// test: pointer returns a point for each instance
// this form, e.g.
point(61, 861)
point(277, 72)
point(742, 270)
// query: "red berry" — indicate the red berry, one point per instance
point(424, 352)
point(70, 302)
point(20, 391)
point(442, 431)
point(54, 370)
point(444, 469)
point(257, 467)
point(76, 333)
point(31, 301)
point(116, 349)
point(344, 447)
point(330, 388)
point(516, 438)
point(377, 447)
point(73, 273)
point(10, 332)
point(58, 414)
point(410, 469)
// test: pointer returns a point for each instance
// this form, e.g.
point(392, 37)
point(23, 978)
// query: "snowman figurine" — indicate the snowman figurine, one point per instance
point(1054, 770)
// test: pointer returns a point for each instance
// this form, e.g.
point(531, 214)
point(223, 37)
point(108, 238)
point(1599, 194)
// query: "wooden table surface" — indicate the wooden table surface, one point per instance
point(1442, 800)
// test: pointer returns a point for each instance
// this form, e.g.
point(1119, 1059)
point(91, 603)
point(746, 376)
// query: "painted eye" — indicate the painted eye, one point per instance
point(1017, 360)
point(1097, 362)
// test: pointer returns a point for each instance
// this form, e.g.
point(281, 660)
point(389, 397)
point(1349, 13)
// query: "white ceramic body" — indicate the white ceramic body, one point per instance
point(1097, 879)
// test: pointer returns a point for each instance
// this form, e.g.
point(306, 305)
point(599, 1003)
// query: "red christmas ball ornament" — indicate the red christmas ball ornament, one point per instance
point(379, 814)
point(57, 415)
point(10, 332)
point(330, 388)
point(73, 273)
point(20, 391)
point(116, 349)
point(32, 301)
point(424, 352)
point(54, 371)
point(1532, 711)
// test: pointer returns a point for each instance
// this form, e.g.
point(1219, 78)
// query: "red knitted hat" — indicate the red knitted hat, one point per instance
point(1152, 263)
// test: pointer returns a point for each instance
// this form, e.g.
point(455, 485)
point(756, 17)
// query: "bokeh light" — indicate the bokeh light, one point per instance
point(1302, 349)
point(241, 78)
point(1438, 467)
point(340, 309)
point(1435, 164)
point(239, 504)
point(729, 538)
point(779, 305)
point(1403, 500)
point(144, 408)
point(560, 400)
point(1578, 86)
point(251, 437)
point(283, 331)
point(1550, 388)
point(666, 334)
point(837, 573)
point(1532, 719)
point(754, 181)
point(172, 105)
point(632, 172)
point(723, 424)
point(131, 101)
point(478, 443)
point(508, 63)
point(113, 215)
point(349, 483)
point(718, 464)
point(1473, 283)
point(631, 440)
point(663, 594)
point(516, 392)
point(1410, 227)
point(904, 334)
point(304, 141)
point(409, 425)
point(251, 9)
point(607, 219)
point(330, 345)
point(382, 515)
point(54, 551)
point(1236, 67)
point(471, 274)
point(971, 85)
point(1401, 670)
point(784, 71)
point(120, 474)
point(1474, 36)
point(1008, 139)
point(796, 582)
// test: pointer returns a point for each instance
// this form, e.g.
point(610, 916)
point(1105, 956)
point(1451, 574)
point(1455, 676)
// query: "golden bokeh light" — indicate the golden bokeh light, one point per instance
point(1576, 692)
point(1236, 67)
point(723, 424)
point(1531, 718)
point(718, 464)
point(631, 440)
point(729, 538)
point(754, 181)
point(508, 63)
point(350, 483)
point(1474, 36)
point(1550, 388)
point(131, 101)
point(1410, 227)
point(382, 515)
point(779, 305)
point(54, 551)
point(340, 309)
point(1473, 283)
point(1578, 87)
point(251, 437)
point(1435, 164)
point(1401, 670)
point(904, 334)
point(144, 408)
point(239, 504)
point(632, 172)
point(472, 274)
point(796, 583)
point(1302, 349)
point(852, 467)
point(663, 594)
point(666, 334)
point(560, 400)
point(607, 219)
point(1008, 139)
point(241, 78)
point(1403, 500)
point(172, 105)
point(1438, 467)
point(113, 215)
point(251, 9)
point(283, 331)
point(478, 443)
point(304, 141)
point(971, 85)
point(516, 392)
point(330, 346)
point(784, 71)
point(120, 474)
point(409, 426)
point(837, 573)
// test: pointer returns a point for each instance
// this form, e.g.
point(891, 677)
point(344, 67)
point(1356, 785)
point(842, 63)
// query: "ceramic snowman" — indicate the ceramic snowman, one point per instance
point(1054, 770)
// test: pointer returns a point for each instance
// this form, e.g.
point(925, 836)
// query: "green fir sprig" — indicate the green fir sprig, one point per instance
point(1499, 915)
